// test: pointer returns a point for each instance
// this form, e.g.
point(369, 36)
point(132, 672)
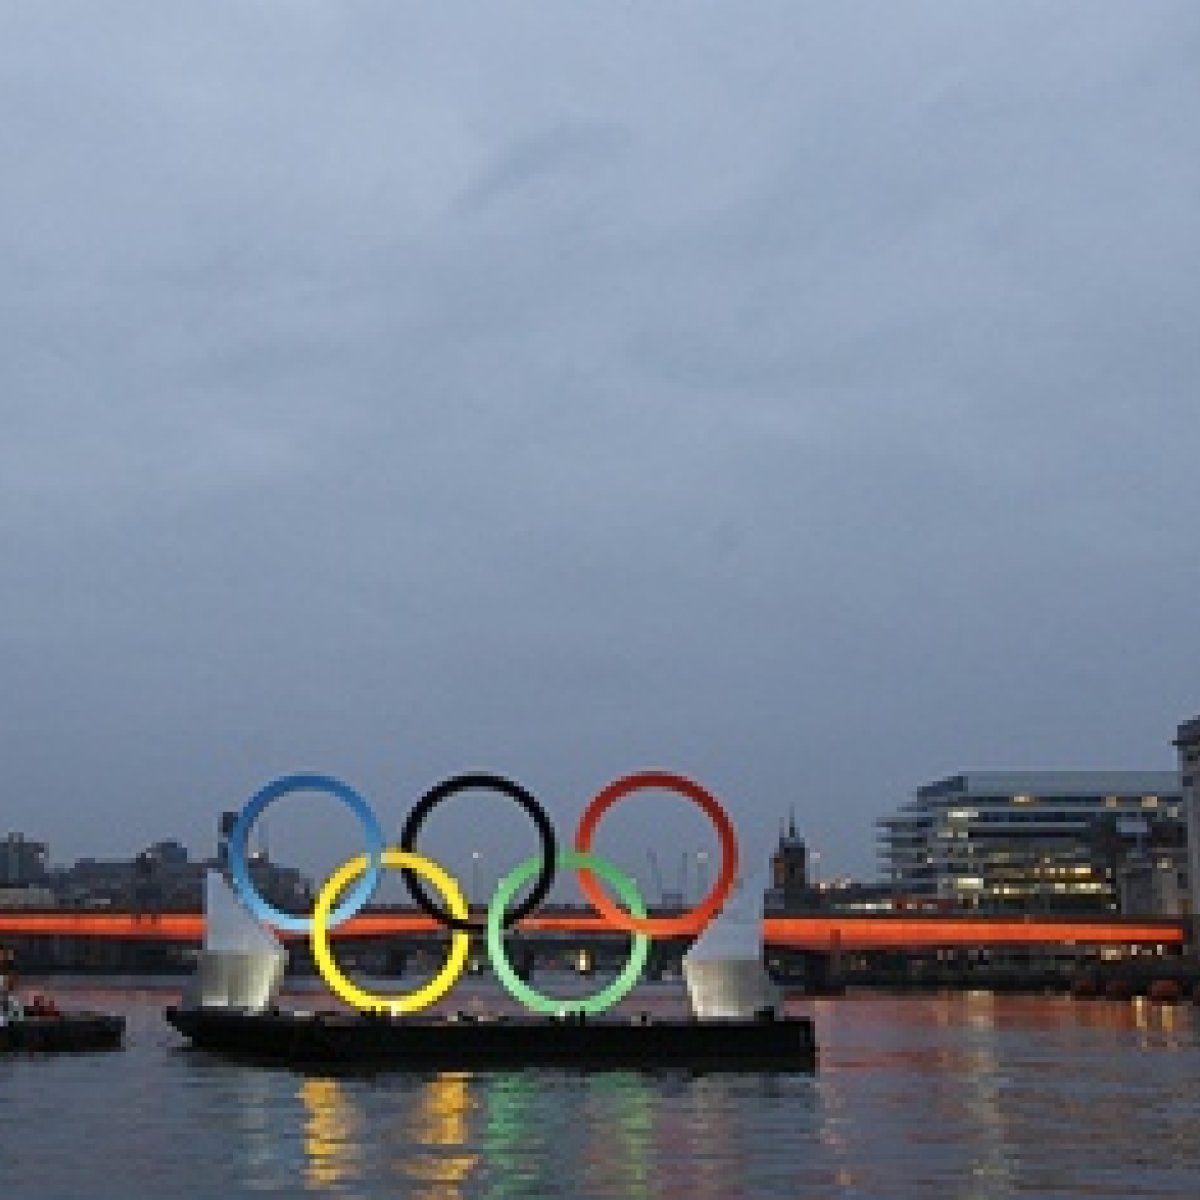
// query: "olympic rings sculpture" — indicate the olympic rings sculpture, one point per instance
point(363, 872)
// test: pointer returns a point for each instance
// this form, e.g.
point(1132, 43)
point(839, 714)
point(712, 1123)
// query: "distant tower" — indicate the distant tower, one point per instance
point(1187, 742)
point(789, 867)
point(228, 821)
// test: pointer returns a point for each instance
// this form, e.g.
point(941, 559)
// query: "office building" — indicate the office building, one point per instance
point(1187, 742)
point(1044, 841)
point(22, 861)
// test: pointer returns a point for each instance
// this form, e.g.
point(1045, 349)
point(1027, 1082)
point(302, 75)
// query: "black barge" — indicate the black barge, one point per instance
point(468, 1042)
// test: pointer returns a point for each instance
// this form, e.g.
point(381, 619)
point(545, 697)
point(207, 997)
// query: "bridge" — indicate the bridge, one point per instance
point(845, 931)
point(386, 940)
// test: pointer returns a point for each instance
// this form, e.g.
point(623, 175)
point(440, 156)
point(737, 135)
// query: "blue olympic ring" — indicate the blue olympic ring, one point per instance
point(239, 839)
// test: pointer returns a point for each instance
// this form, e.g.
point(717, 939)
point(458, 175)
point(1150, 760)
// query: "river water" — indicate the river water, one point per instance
point(940, 1096)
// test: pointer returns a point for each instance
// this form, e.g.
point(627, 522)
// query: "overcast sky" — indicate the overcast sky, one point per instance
point(800, 396)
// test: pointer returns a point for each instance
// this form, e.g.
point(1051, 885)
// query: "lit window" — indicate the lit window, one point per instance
point(1149, 801)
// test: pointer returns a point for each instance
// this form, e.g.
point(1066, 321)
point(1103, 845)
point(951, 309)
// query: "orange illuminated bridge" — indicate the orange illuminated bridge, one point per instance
point(846, 931)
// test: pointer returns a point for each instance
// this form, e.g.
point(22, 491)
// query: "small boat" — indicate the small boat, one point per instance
point(39, 1026)
point(62, 1032)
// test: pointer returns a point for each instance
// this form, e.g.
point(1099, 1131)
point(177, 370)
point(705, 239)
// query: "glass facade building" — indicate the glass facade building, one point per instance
point(1048, 841)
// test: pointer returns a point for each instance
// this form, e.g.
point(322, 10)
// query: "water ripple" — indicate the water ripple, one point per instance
point(952, 1096)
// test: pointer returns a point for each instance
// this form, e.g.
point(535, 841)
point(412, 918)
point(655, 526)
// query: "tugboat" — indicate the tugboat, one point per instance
point(735, 1023)
point(40, 1027)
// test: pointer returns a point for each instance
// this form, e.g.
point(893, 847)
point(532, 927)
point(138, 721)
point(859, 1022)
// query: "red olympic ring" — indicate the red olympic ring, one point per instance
point(684, 923)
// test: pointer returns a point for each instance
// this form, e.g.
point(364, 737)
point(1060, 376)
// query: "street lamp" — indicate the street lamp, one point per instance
point(475, 857)
point(702, 872)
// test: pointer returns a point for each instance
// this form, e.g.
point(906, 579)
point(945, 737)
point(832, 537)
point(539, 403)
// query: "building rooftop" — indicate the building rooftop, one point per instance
point(1052, 783)
point(1188, 733)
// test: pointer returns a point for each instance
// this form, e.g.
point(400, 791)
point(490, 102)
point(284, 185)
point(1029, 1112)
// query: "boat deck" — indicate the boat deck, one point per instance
point(472, 1043)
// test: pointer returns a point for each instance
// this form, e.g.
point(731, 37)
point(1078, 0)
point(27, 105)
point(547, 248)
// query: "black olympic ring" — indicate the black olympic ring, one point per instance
point(493, 783)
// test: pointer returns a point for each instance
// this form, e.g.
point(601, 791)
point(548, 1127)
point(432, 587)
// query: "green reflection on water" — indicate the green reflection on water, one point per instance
point(601, 1134)
point(511, 1108)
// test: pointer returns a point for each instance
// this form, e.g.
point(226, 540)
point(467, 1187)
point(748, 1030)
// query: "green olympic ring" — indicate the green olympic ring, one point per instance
point(516, 986)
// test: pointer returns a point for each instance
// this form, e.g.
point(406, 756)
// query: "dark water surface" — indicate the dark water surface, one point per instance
point(947, 1096)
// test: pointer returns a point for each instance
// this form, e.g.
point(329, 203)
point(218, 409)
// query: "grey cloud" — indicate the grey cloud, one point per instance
point(795, 396)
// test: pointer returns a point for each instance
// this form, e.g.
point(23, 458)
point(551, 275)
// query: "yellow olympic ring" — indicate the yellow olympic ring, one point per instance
point(423, 997)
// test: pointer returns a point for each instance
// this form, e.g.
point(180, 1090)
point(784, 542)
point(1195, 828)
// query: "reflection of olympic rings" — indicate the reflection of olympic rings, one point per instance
point(499, 914)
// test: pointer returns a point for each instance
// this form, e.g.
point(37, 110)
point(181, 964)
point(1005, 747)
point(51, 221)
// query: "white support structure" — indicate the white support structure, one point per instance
point(724, 968)
point(242, 963)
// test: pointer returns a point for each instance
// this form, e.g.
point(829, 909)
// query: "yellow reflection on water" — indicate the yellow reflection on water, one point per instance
point(333, 1152)
point(1159, 1025)
point(1167, 1012)
point(993, 1159)
point(440, 1123)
